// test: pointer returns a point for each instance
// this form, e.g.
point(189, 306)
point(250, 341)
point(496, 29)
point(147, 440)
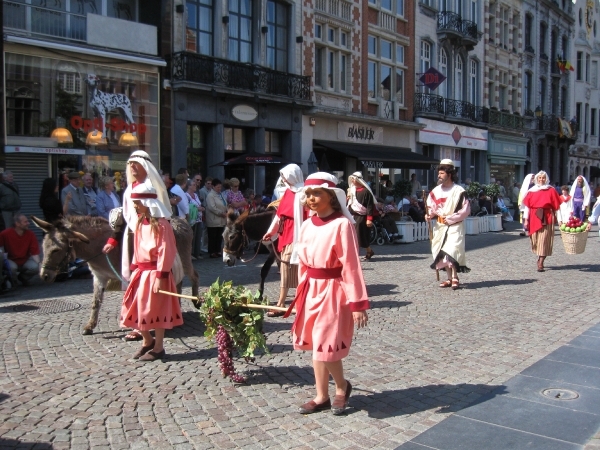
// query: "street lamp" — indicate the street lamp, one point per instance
point(95, 138)
point(538, 112)
point(128, 140)
point(62, 136)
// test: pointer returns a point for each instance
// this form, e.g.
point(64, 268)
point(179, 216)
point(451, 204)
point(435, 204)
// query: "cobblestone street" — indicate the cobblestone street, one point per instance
point(427, 353)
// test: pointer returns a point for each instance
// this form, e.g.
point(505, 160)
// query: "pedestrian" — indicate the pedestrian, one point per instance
point(332, 296)
point(580, 194)
point(195, 216)
point(199, 229)
point(216, 218)
point(235, 197)
point(415, 185)
point(49, 202)
point(286, 229)
point(183, 205)
point(527, 182)
point(566, 206)
point(22, 251)
point(106, 198)
point(361, 202)
point(541, 204)
point(72, 196)
point(449, 206)
point(10, 198)
point(90, 194)
point(144, 308)
point(202, 194)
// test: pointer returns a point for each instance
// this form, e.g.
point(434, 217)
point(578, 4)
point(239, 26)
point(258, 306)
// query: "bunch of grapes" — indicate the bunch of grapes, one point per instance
point(225, 350)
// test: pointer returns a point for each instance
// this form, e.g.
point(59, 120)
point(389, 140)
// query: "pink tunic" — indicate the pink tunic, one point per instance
point(153, 258)
point(325, 324)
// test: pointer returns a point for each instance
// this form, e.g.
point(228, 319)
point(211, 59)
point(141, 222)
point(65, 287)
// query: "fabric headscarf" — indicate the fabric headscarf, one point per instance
point(587, 194)
point(147, 195)
point(540, 187)
point(327, 181)
point(524, 189)
point(156, 181)
point(352, 189)
point(294, 181)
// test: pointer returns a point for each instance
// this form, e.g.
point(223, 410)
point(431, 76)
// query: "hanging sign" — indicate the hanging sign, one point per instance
point(48, 151)
point(244, 113)
point(432, 78)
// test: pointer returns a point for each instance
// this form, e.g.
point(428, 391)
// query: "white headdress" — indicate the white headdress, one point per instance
point(294, 181)
point(587, 194)
point(146, 194)
point(143, 158)
point(352, 189)
point(524, 188)
point(540, 187)
point(327, 181)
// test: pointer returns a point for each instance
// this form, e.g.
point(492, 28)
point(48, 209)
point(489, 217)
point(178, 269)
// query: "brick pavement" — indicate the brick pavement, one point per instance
point(427, 353)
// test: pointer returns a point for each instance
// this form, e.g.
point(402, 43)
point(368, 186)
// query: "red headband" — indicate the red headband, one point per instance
point(315, 181)
point(136, 196)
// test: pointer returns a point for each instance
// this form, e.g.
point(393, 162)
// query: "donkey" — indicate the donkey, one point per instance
point(239, 230)
point(84, 237)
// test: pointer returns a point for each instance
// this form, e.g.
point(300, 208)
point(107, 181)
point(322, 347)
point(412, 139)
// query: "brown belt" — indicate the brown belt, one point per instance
point(440, 219)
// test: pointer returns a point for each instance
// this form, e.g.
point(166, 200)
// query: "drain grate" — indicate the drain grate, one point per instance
point(560, 394)
point(46, 307)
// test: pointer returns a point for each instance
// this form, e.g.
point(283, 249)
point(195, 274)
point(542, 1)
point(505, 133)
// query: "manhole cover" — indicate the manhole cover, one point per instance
point(47, 307)
point(560, 394)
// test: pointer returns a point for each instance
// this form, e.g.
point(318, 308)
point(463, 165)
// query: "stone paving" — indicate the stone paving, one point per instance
point(426, 353)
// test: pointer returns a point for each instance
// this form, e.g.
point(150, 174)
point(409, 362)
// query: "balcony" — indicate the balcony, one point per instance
point(24, 20)
point(453, 27)
point(191, 67)
point(435, 106)
point(548, 122)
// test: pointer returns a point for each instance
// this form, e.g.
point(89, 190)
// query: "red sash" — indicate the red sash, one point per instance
point(143, 266)
point(302, 290)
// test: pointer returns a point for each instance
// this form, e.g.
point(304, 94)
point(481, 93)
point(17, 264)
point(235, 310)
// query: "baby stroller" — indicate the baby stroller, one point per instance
point(379, 235)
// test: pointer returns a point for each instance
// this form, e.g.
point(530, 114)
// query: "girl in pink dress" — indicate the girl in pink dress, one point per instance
point(154, 253)
point(332, 296)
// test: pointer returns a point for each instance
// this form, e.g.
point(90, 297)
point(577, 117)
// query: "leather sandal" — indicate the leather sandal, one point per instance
point(313, 407)
point(133, 335)
point(446, 283)
point(143, 350)
point(152, 356)
point(340, 402)
point(368, 256)
point(455, 284)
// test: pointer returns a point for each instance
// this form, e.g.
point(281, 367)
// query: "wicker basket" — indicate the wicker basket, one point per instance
point(574, 242)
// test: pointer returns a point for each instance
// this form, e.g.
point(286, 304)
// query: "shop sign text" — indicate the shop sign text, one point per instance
point(45, 150)
point(353, 132)
point(114, 124)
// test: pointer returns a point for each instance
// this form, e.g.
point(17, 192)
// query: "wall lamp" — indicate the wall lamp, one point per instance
point(264, 30)
point(299, 39)
point(180, 9)
point(312, 121)
point(225, 20)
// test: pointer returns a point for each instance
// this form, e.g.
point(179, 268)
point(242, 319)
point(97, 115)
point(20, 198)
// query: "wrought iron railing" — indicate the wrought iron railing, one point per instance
point(436, 104)
point(186, 66)
point(548, 122)
point(448, 20)
point(42, 21)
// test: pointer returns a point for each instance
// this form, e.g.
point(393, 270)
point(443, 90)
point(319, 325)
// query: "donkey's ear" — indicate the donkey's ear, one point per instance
point(242, 216)
point(46, 226)
point(82, 237)
point(231, 215)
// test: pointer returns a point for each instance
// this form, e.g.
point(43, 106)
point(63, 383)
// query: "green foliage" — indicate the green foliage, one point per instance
point(473, 189)
point(223, 305)
point(402, 188)
point(491, 190)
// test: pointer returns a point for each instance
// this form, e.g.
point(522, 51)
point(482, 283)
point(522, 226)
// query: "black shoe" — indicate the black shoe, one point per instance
point(23, 281)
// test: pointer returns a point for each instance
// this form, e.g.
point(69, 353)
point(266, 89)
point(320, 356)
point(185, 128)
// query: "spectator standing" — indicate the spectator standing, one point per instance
point(106, 198)
point(235, 199)
point(183, 206)
point(72, 196)
point(200, 229)
point(21, 249)
point(10, 200)
point(173, 199)
point(49, 202)
point(415, 185)
point(202, 195)
point(216, 218)
point(90, 194)
point(195, 217)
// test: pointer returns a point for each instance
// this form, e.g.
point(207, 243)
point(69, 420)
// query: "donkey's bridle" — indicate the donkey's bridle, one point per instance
point(245, 241)
point(67, 259)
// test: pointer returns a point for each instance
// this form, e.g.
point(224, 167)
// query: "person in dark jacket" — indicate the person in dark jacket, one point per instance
point(10, 200)
point(49, 202)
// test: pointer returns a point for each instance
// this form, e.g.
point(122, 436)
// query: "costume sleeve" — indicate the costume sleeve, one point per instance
point(274, 226)
point(555, 200)
point(462, 213)
point(167, 249)
point(595, 212)
point(353, 283)
point(430, 206)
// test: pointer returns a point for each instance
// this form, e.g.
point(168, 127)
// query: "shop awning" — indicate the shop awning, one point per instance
point(391, 157)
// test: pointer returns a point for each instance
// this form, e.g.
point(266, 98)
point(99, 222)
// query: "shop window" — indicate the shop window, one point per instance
point(235, 139)
point(199, 31)
point(22, 113)
point(277, 46)
point(240, 30)
point(196, 147)
point(272, 142)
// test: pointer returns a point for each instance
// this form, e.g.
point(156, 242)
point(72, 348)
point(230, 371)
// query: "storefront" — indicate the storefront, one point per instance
point(466, 146)
point(507, 156)
point(74, 113)
point(345, 146)
point(211, 128)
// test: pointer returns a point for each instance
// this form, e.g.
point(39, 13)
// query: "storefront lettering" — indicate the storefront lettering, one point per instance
point(366, 134)
point(114, 124)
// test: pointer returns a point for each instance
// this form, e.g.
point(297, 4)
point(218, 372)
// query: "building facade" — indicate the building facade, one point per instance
point(82, 88)
point(584, 154)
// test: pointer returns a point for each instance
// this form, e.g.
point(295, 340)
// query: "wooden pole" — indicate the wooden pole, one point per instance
point(250, 306)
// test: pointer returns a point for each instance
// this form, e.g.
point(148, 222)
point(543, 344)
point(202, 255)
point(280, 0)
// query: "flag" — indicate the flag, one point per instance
point(569, 66)
point(561, 65)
